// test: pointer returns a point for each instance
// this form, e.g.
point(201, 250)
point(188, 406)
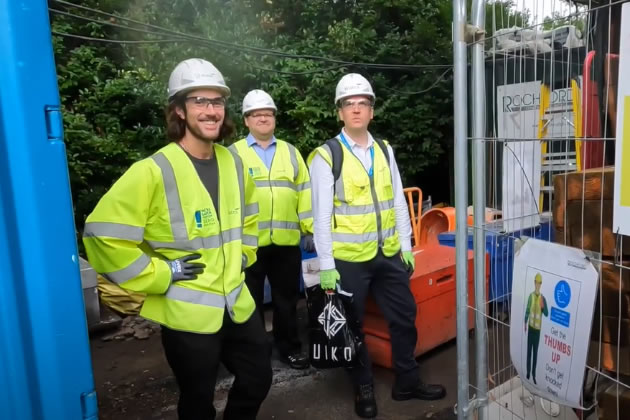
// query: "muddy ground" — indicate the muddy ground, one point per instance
point(133, 381)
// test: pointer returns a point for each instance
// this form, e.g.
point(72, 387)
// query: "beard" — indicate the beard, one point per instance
point(196, 131)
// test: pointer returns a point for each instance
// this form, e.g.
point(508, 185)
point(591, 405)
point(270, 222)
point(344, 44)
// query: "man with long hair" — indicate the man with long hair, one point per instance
point(181, 227)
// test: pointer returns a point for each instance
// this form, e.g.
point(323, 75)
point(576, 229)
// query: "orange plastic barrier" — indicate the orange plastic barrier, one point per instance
point(433, 288)
point(414, 215)
point(434, 222)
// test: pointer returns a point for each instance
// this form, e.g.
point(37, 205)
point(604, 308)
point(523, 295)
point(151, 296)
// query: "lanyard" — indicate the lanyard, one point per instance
point(345, 142)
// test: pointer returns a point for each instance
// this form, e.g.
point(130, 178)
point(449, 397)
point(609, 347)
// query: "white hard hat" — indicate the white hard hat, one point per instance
point(353, 84)
point(196, 73)
point(257, 99)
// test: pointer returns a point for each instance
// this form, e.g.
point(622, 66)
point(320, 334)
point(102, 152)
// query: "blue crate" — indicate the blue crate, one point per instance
point(500, 247)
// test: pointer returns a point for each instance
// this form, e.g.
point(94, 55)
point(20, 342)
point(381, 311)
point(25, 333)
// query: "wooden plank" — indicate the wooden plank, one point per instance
point(613, 330)
point(591, 184)
point(589, 226)
point(609, 357)
point(612, 275)
point(613, 303)
point(559, 209)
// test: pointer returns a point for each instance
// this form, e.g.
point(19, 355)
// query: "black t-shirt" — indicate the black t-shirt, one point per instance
point(208, 171)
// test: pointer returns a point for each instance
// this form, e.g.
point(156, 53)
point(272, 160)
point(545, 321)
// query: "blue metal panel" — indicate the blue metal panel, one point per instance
point(45, 367)
point(500, 247)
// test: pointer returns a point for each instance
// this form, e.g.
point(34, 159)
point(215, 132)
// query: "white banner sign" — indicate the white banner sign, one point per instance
point(553, 296)
point(517, 118)
point(621, 218)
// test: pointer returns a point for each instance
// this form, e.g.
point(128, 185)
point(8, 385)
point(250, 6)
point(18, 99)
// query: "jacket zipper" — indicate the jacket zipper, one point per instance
point(271, 188)
point(221, 243)
point(377, 208)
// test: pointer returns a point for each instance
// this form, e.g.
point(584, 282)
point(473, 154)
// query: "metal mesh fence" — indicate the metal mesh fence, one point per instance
point(542, 136)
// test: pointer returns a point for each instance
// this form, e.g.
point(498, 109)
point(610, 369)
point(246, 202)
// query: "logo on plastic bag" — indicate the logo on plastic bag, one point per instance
point(331, 319)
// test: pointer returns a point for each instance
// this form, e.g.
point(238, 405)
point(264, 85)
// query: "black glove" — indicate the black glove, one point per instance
point(309, 243)
point(181, 269)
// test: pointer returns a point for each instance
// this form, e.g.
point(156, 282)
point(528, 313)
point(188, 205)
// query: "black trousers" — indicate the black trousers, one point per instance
point(281, 264)
point(194, 358)
point(388, 282)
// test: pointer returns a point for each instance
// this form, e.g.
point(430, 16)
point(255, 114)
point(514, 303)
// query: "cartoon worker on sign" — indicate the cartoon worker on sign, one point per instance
point(534, 310)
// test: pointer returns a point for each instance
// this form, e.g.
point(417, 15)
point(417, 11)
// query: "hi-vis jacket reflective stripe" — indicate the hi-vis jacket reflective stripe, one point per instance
point(159, 209)
point(284, 193)
point(364, 218)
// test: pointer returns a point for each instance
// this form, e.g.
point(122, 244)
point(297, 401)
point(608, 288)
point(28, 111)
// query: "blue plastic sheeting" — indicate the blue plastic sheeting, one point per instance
point(45, 368)
point(500, 247)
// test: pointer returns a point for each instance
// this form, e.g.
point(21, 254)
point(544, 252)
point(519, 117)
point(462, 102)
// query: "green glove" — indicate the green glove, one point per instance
point(409, 260)
point(328, 278)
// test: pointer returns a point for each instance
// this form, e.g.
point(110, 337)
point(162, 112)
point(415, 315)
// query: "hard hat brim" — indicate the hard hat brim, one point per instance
point(258, 108)
point(224, 90)
point(368, 95)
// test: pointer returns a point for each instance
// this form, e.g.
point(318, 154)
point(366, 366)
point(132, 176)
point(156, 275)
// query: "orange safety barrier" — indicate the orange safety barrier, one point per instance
point(432, 285)
point(426, 227)
point(434, 222)
point(416, 219)
point(433, 288)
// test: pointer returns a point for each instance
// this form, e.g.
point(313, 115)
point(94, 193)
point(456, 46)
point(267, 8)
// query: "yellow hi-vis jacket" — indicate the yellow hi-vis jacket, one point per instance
point(284, 193)
point(536, 308)
point(364, 218)
point(160, 210)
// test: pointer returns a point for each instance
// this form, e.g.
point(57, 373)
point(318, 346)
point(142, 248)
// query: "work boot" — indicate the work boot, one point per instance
point(364, 401)
point(421, 391)
point(296, 360)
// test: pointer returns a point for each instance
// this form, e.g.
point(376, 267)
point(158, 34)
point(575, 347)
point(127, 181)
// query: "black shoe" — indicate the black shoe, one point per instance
point(296, 360)
point(421, 391)
point(364, 402)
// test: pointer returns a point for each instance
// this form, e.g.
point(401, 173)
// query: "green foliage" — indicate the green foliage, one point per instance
point(112, 117)
point(113, 95)
point(502, 14)
point(374, 31)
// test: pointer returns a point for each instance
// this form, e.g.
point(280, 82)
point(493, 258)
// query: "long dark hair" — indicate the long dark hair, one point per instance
point(176, 126)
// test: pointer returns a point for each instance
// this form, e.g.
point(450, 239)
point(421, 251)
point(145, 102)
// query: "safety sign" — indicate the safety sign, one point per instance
point(553, 296)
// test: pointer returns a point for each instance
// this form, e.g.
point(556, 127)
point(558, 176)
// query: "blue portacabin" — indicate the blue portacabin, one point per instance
point(45, 368)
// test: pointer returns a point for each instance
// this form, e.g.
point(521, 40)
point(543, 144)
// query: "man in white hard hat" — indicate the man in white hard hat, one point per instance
point(181, 226)
point(284, 195)
point(362, 236)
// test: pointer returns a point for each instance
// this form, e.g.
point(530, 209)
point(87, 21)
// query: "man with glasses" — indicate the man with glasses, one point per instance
point(363, 238)
point(181, 226)
point(284, 194)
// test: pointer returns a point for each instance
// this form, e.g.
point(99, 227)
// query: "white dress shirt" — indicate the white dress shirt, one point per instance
point(322, 181)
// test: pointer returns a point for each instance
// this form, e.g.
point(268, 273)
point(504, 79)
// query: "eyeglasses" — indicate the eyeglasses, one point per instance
point(362, 104)
point(201, 102)
point(262, 115)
